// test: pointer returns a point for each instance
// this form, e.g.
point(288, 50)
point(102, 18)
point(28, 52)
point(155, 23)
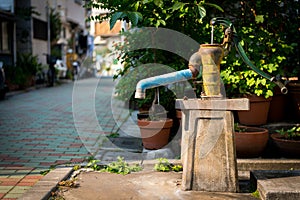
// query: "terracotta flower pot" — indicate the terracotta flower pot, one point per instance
point(288, 148)
point(251, 142)
point(294, 94)
point(155, 134)
point(258, 113)
point(277, 106)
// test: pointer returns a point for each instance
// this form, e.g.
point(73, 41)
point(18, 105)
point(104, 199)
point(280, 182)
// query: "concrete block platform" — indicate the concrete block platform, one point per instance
point(277, 184)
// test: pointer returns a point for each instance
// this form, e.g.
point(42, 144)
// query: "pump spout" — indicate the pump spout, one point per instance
point(160, 80)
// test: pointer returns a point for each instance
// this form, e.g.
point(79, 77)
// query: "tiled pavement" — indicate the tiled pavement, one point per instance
point(44, 128)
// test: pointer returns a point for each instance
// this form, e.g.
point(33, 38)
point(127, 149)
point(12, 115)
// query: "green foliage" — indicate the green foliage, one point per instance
point(238, 128)
point(28, 63)
point(26, 66)
point(76, 167)
point(269, 30)
point(164, 165)
point(151, 12)
point(55, 25)
point(93, 164)
point(266, 45)
point(113, 135)
point(121, 167)
point(290, 134)
point(256, 194)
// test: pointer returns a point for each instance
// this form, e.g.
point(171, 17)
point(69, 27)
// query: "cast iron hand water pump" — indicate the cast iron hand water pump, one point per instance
point(207, 123)
point(206, 63)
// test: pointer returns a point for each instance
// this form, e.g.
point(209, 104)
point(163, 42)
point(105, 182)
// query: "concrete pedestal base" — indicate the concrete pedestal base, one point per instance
point(208, 149)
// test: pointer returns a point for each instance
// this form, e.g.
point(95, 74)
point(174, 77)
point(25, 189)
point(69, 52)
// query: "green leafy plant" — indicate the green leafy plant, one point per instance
point(256, 194)
point(267, 45)
point(121, 167)
point(269, 30)
point(93, 164)
point(76, 167)
point(164, 165)
point(238, 128)
point(291, 133)
point(24, 70)
point(175, 15)
point(151, 12)
point(113, 135)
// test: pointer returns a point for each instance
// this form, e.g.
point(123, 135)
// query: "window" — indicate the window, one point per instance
point(7, 5)
point(40, 29)
point(5, 36)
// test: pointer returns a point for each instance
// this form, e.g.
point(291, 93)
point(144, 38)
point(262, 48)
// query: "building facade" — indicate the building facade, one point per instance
point(7, 32)
point(24, 28)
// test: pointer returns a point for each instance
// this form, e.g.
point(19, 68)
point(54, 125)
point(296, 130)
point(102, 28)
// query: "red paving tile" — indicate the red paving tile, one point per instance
point(28, 180)
point(18, 168)
point(9, 183)
point(33, 177)
point(27, 183)
point(10, 179)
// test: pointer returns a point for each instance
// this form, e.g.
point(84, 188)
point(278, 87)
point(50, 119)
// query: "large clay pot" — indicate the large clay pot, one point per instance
point(155, 134)
point(251, 142)
point(258, 113)
point(288, 148)
point(278, 107)
point(294, 94)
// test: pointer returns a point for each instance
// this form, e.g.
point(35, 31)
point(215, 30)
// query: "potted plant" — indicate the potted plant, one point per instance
point(155, 128)
point(250, 141)
point(294, 99)
point(287, 140)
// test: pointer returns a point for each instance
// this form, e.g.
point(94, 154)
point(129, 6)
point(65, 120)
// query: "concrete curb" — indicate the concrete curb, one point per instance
point(43, 188)
point(277, 184)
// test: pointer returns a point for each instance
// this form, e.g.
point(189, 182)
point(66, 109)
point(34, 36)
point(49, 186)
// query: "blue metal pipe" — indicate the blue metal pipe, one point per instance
point(160, 80)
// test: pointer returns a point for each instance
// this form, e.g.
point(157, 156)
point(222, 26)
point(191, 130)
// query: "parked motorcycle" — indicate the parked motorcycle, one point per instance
point(75, 66)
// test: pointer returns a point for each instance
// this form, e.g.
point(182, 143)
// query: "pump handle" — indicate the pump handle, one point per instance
point(236, 41)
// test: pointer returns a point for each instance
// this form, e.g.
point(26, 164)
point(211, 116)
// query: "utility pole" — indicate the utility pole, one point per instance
point(48, 29)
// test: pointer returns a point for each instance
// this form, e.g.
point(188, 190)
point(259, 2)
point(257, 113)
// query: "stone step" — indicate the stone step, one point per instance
point(277, 184)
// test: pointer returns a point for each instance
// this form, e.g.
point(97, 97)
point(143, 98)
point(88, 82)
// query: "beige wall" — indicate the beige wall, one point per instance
point(69, 10)
point(39, 47)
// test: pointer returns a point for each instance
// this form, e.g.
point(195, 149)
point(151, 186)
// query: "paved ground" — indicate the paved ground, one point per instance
point(147, 184)
point(57, 125)
point(64, 125)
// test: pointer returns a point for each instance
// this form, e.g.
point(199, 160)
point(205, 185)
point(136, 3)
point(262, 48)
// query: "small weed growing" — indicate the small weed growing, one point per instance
point(93, 164)
point(121, 167)
point(256, 194)
point(45, 172)
point(164, 165)
point(113, 135)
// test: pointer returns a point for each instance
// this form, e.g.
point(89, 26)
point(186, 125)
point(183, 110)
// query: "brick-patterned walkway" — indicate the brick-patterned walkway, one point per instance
point(37, 131)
